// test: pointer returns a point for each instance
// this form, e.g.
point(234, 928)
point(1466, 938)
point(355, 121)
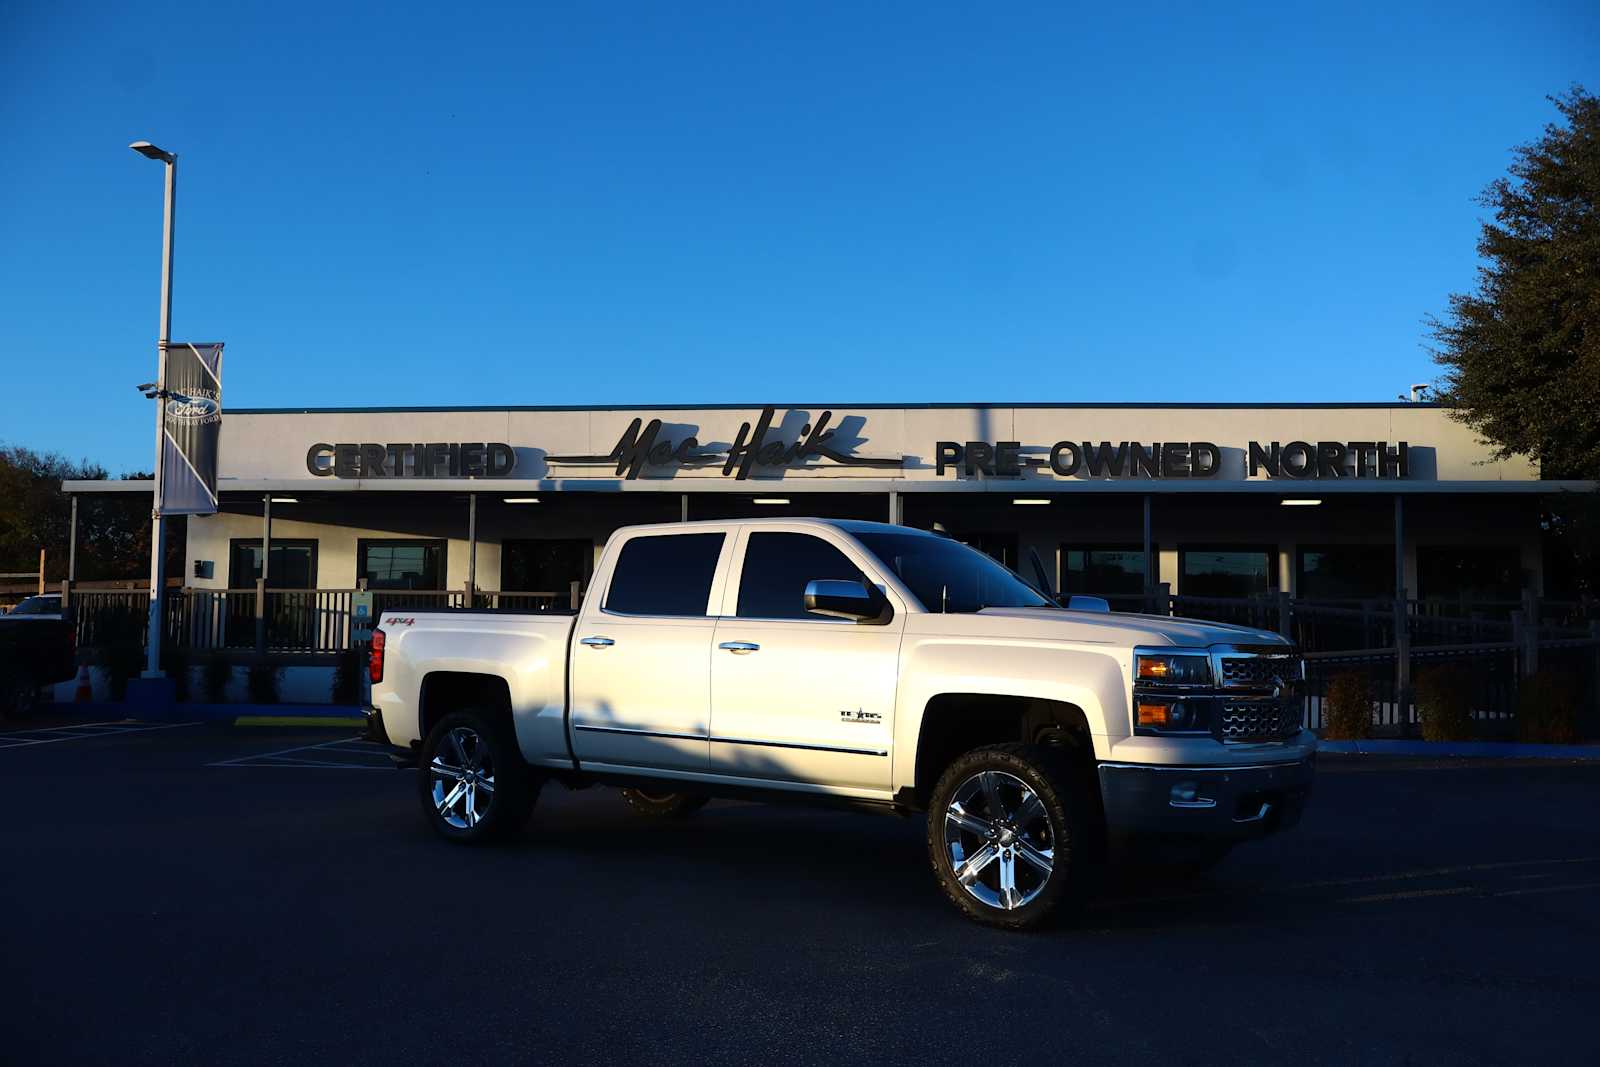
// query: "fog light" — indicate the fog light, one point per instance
point(1187, 795)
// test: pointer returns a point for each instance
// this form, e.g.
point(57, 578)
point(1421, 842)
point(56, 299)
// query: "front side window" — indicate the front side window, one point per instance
point(668, 574)
point(947, 576)
point(777, 566)
point(401, 564)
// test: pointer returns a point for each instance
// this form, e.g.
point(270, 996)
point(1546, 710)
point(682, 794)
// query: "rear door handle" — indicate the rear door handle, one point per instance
point(740, 648)
point(597, 642)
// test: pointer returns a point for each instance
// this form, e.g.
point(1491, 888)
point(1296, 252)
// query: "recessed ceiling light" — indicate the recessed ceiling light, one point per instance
point(1301, 503)
point(771, 500)
point(284, 500)
point(1030, 500)
point(521, 500)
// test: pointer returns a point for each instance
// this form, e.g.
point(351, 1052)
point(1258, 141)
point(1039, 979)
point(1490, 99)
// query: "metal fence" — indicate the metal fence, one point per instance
point(303, 621)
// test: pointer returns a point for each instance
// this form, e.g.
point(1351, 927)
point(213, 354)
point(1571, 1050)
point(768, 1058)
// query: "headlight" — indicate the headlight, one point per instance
point(1165, 668)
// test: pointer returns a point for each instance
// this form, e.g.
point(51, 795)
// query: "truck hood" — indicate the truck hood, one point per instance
point(1116, 627)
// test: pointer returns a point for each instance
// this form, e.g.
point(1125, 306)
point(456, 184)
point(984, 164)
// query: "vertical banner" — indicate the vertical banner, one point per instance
point(193, 425)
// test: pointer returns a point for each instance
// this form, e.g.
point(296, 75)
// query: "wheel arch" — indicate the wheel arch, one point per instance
point(957, 722)
point(443, 692)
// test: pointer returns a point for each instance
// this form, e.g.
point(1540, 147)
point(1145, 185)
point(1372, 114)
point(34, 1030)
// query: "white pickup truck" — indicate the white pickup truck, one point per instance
point(872, 664)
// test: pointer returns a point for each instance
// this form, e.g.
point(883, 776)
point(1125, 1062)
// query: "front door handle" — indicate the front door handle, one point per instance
point(740, 648)
point(597, 642)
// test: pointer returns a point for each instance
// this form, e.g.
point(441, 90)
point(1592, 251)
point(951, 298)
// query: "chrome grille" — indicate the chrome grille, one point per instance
point(1260, 720)
point(1259, 671)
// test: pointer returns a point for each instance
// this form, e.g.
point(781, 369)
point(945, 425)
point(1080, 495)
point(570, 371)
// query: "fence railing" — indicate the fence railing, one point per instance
point(306, 621)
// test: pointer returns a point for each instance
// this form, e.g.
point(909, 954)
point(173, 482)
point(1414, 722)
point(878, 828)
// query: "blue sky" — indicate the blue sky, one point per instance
point(590, 204)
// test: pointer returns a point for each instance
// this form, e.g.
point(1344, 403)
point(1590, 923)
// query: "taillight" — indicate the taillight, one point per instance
point(375, 658)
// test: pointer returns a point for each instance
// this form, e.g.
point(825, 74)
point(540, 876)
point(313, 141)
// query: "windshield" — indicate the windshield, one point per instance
point(38, 605)
point(947, 576)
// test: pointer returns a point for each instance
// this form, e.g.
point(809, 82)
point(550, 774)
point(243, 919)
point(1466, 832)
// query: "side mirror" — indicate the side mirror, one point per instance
point(855, 601)
point(1088, 603)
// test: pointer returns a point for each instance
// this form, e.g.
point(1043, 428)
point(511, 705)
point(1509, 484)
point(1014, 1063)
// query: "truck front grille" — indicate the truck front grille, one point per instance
point(1259, 672)
point(1261, 720)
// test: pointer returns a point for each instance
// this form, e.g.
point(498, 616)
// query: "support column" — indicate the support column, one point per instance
point(72, 542)
point(266, 536)
point(266, 571)
point(472, 550)
point(1149, 560)
point(896, 516)
point(685, 512)
point(1402, 610)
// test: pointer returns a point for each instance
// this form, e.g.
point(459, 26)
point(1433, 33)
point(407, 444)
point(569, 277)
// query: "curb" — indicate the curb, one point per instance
point(1472, 749)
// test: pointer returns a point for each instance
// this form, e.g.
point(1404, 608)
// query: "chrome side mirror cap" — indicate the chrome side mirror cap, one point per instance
point(1088, 603)
point(855, 601)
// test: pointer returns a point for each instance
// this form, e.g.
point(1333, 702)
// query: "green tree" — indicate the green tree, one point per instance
point(1522, 354)
point(113, 529)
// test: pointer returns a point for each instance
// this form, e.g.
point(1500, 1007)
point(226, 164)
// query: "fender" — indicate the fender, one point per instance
point(1092, 677)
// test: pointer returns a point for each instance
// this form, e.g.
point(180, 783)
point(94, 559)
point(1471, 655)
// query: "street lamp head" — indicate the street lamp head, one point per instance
point(150, 151)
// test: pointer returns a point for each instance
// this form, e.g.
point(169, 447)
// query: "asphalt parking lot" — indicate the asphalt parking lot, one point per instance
point(210, 894)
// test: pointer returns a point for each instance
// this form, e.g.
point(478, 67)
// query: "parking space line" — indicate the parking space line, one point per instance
point(1547, 889)
point(366, 751)
point(1411, 894)
point(56, 734)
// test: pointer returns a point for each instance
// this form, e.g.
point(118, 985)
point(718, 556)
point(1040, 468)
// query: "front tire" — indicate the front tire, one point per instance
point(649, 804)
point(471, 780)
point(1007, 837)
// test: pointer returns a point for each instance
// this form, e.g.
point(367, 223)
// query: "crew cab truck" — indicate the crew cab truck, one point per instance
point(854, 662)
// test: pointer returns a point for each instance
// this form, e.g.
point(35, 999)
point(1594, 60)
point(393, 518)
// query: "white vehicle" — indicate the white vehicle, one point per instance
point(855, 662)
point(43, 606)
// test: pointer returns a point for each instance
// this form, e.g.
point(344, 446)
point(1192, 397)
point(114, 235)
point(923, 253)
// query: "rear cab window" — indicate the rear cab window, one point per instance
point(665, 575)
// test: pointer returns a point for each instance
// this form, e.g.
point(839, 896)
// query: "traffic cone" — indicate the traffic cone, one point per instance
point(85, 693)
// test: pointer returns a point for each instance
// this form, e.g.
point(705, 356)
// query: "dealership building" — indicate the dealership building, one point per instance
point(1315, 500)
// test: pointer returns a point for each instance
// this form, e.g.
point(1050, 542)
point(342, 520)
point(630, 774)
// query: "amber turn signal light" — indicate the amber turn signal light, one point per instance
point(1155, 714)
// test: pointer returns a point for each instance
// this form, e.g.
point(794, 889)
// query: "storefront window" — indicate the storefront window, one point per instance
point(1226, 572)
point(1338, 572)
point(294, 564)
point(1102, 570)
point(545, 566)
point(401, 564)
point(1490, 573)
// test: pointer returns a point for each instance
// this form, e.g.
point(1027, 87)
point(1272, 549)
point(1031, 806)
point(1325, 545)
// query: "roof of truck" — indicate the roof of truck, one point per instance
point(855, 526)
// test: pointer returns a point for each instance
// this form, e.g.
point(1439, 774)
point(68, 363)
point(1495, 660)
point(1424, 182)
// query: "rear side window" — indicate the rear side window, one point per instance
point(666, 575)
point(777, 567)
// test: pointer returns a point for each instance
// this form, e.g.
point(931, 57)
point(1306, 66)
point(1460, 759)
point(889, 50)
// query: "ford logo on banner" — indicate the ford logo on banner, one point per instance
point(190, 427)
point(194, 409)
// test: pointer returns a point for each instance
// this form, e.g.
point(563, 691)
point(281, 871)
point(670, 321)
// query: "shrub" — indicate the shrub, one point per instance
point(119, 645)
point(1444, 703)
point(175, 661)
point(262, 683)
point(1347, 709)
point(347, 674)
point(1547, 708)
point(215, 678)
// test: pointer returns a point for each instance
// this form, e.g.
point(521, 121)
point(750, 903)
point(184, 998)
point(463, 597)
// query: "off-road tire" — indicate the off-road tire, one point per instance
point(648, 804)
point(1063, 812)
point(514, 786)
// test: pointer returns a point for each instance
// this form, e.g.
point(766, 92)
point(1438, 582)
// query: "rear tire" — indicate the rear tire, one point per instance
point(471, 780)
point(1008, 835)
point(649, 804)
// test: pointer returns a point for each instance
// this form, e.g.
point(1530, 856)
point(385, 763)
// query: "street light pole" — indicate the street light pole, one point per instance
point(158, 533)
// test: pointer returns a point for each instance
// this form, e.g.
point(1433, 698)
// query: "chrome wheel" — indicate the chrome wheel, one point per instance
point(462, 778)
point(998, 839)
